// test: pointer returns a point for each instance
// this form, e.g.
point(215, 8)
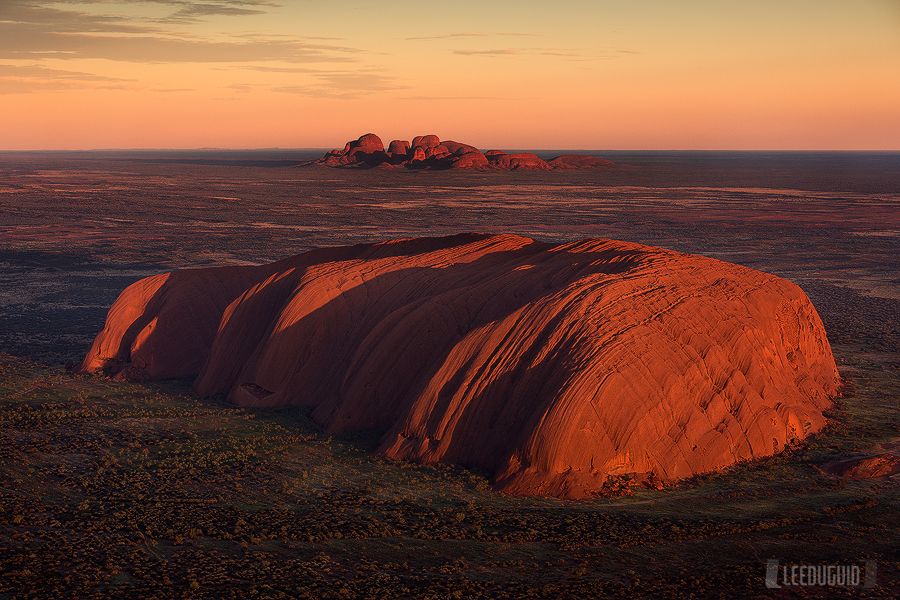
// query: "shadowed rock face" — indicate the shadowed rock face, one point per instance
point(398, 147)
point(548, 367)
point(428, 151)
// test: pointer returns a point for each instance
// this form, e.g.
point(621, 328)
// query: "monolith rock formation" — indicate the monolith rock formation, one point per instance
point(550, 367)
point(429, 152)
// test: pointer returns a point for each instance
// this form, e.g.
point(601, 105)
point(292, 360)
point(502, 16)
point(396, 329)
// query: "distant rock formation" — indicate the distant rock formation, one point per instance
point(426, 141)
point(367, 150)
point(579, 161)
point(518, 161)
point(398, 148)
point(429, 152)
point(469, 160)
point(548, 367)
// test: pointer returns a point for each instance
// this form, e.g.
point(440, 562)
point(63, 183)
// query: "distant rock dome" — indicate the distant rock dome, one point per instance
point(429, 152)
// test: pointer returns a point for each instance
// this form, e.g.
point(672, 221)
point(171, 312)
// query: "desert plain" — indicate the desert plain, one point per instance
point(110, 487)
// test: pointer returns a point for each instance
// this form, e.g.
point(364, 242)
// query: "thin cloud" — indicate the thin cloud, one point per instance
point(195, 11)
point(316, 92)
point(446, 36)
point(30, 86)
point(39, 72)
point(451, 98)
point(490, 52)
point(31, 28)
point(188, 11)
point(35, 15)
point(208, 7)
point(342, 84)
point(16, 42)
point(268, 69)
point(518, 52)
point(20, 79)
point(358, 80)
point(566, 53)
point(463, 35)
point(26, 86)
point(330, 83)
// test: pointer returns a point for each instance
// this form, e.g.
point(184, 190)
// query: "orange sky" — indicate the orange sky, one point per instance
point(692, 74)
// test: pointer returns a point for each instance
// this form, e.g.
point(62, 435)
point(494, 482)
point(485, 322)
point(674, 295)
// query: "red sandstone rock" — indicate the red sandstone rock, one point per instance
point(458, 148)
point(425, 141)
point(149, 314)
point(368, 144)
point(523, 160)
point(470, 160)
point(428, 151)
point(437, 152)
point(550, 367)
point(417, 155)
point(886, 464)
point(331, 160)
point(399, 147)
point(367, 150)
point(579, 161)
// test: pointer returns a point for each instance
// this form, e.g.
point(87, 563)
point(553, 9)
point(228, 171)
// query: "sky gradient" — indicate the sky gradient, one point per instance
point(805, 74)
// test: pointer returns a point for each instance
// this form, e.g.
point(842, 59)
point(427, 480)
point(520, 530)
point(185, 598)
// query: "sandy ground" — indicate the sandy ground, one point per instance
point(75, 229)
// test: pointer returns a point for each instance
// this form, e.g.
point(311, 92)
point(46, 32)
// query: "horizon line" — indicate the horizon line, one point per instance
point(533, 149)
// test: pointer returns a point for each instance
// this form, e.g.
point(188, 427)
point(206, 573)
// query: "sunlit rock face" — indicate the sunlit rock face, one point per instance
point(469, 160)
point(367, 150)
point(872, 466)
point(549, 367)
point(429, 152)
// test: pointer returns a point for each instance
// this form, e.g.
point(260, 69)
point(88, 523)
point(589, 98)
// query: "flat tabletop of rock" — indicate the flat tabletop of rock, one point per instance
point(549, 367)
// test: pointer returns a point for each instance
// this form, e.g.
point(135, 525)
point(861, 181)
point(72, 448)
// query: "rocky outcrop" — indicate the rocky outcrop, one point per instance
point(367, 150)
point(518, 161)
point(469, 160)
point(458, 148)
point(426, 141)
point(579, 161)
point(398, 148)
point(886, 464)
point(548, 367)
point(429, 152)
